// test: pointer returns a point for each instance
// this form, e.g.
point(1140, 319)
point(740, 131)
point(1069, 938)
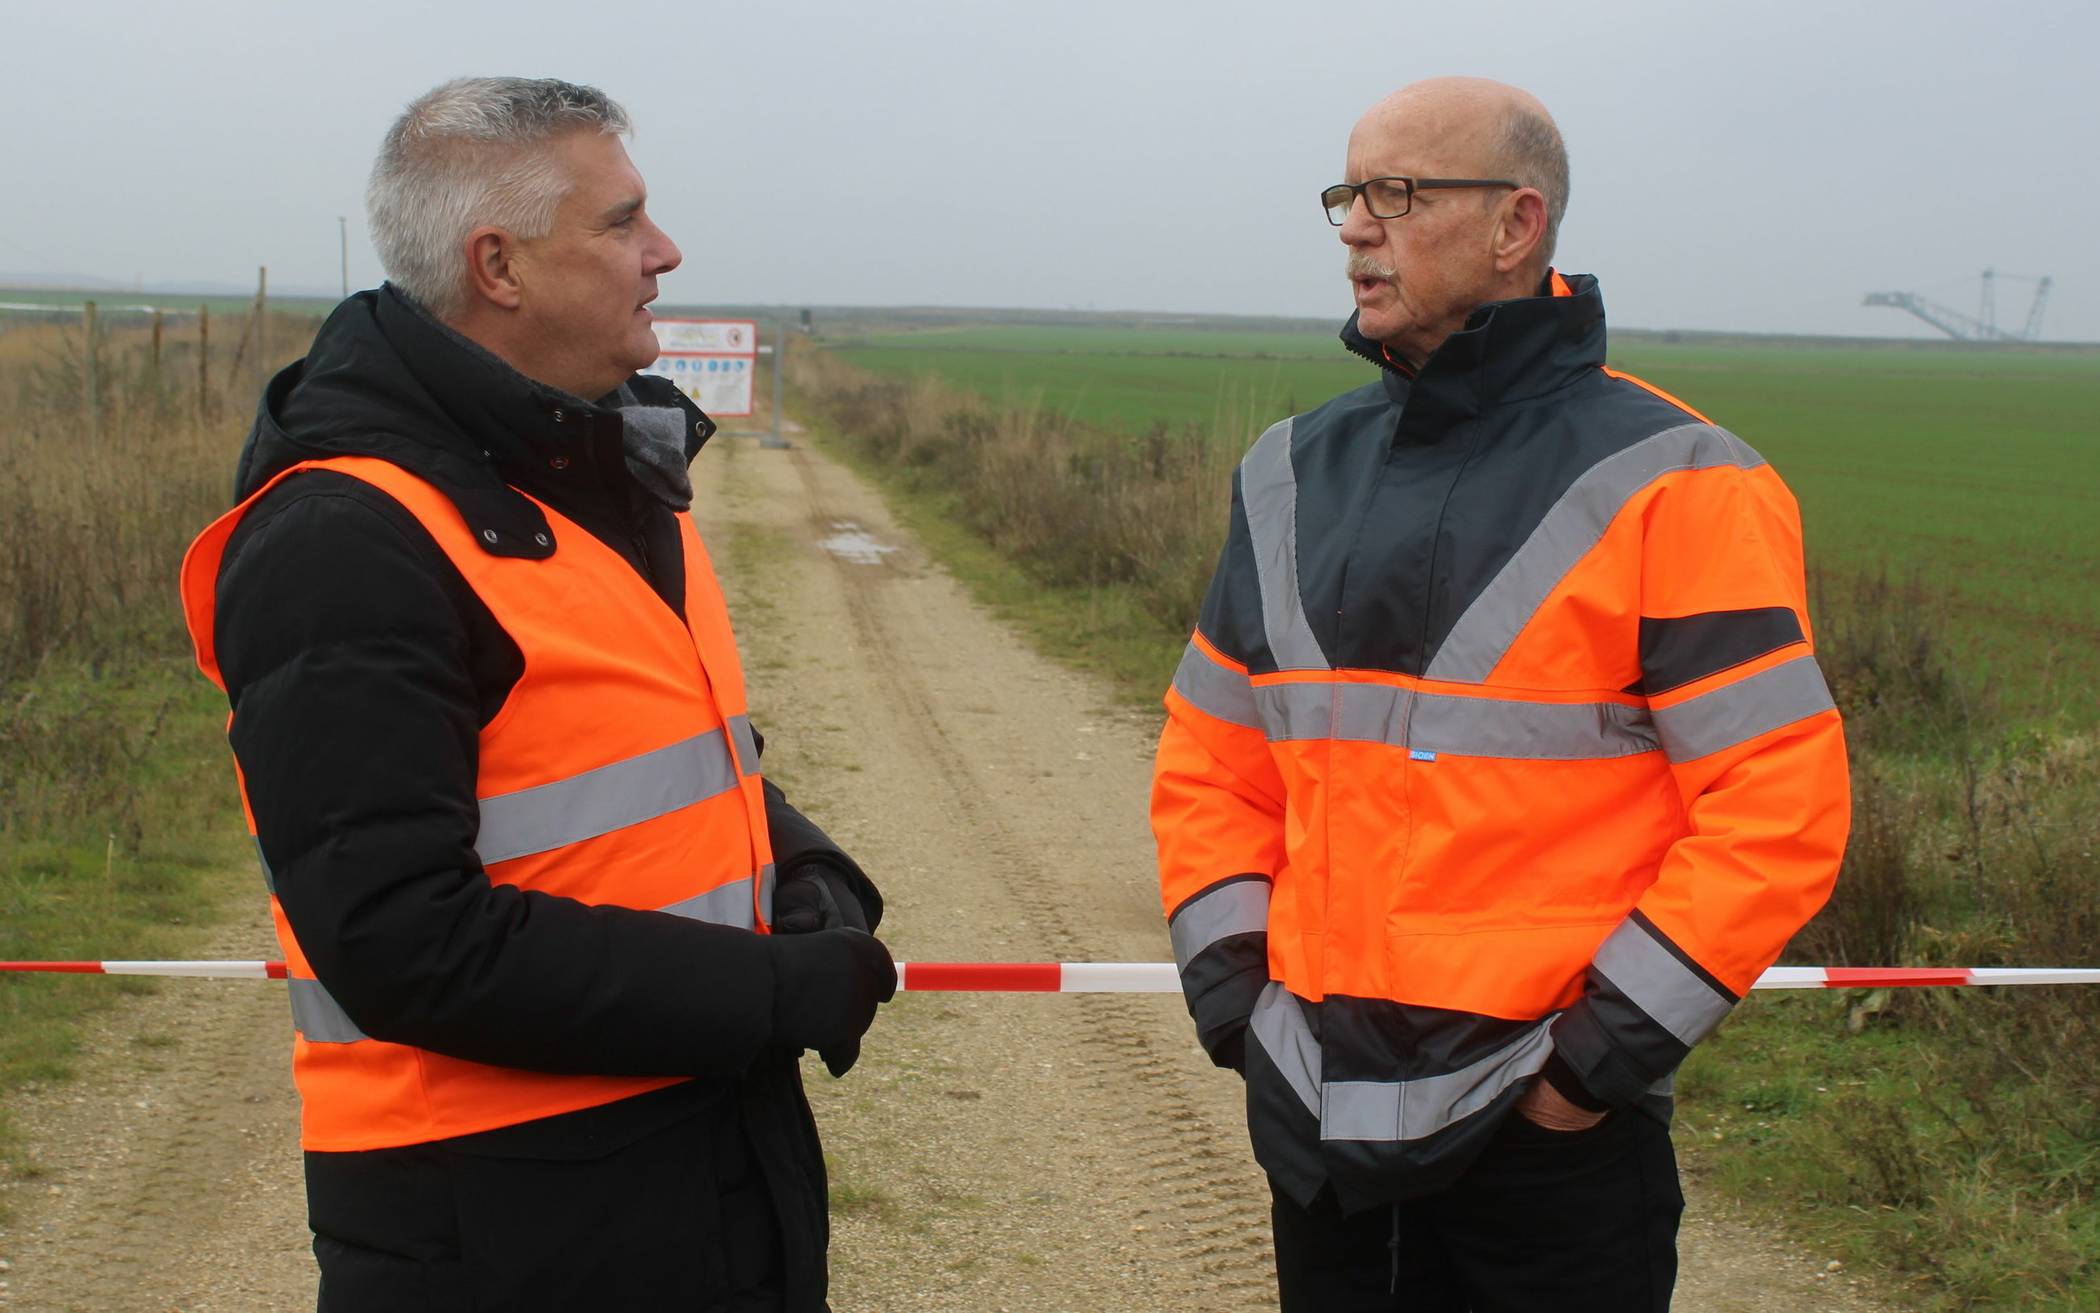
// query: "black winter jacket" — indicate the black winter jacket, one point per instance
point(361, 669)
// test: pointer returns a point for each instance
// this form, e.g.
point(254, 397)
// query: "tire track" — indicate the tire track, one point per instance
point(1193, 1199)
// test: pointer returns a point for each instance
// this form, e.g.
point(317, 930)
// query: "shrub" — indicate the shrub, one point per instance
point(1074, 506)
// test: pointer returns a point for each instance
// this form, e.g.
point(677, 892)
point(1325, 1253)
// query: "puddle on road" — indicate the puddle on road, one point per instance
point(850, 542)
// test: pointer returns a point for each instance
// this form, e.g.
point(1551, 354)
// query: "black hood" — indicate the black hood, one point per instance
point(384, 379)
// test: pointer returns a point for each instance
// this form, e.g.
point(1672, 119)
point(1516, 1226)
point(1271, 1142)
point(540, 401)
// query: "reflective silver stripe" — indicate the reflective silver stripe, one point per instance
point(269, 880)
point(1290, 712)
point(746, 746)
point(728, 904)
point(1415, 1109)
point(604, 799)
point(1545, 731)
point(1656, 982)
point(765, 892)
point(317, 1016)
point(1269, 495)
point(1567, 533)
point(1460, 726)
point(1215, 690)
point(1279, 1027)
point(1230, 909)
point(1736, 713)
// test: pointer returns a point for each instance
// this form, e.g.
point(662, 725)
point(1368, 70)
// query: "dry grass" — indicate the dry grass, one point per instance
point(115, 791)
point(99, 497)
point(1071, 505)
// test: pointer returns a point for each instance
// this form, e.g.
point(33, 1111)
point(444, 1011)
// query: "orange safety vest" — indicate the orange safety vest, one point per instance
point(621, 771)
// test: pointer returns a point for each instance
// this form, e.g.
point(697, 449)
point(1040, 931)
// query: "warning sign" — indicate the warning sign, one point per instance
point(713, 361)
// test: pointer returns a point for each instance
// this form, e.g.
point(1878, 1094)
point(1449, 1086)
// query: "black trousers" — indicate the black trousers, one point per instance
point(1544, 1222)
point(648, 1207)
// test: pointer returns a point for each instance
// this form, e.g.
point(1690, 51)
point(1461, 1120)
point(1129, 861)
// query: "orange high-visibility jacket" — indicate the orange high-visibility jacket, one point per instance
point(622, 770)
point(1501, 734)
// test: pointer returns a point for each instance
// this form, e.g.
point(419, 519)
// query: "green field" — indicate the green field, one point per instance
point(1126, 378)
point(1979, 470)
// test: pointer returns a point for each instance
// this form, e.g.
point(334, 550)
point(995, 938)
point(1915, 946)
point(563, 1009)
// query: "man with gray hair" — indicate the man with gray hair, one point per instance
point(554, 943)
point(1499, 765)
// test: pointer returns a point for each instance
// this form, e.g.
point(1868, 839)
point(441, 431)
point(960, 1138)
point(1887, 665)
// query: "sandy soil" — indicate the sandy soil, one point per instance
point(169, 1172)
point(990, 1152)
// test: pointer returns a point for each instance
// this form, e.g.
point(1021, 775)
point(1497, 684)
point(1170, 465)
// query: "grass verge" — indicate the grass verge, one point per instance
point(1097, 546)
point(1101, 628)
point(119, 824)
point(119, 816)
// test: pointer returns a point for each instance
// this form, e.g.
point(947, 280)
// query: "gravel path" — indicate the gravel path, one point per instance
point(990, 1152)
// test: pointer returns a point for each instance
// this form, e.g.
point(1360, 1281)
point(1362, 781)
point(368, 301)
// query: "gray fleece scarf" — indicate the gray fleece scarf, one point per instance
point(653, 437)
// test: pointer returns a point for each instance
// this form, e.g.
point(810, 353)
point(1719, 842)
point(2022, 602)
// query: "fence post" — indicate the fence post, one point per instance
point(156, 352)
point(262, 309)
point(93, 389)
point(780, 341)
point(203, 362)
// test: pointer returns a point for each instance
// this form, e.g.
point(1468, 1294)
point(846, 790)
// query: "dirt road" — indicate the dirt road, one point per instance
point(990, 1152)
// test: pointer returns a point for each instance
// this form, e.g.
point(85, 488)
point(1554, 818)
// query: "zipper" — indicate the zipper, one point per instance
point(1429, 589)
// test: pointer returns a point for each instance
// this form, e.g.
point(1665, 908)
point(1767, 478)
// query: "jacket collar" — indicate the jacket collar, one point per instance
point(386, 379)
point(1507, 351)
point(485, 395)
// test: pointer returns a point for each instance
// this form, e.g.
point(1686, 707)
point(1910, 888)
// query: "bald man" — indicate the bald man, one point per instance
point(1499, 764)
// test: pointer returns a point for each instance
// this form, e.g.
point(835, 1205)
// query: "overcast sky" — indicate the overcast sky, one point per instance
point(1748, 166)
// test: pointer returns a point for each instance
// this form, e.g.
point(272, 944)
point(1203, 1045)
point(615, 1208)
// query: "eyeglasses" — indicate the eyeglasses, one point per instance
point(1390, 198)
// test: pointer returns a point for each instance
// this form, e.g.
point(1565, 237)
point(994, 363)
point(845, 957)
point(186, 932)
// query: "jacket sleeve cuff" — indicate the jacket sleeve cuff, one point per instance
point(1598, 1065)
point(798, 841)
point(1221, 987)
point(1221, 1016)
point(1569, 1086)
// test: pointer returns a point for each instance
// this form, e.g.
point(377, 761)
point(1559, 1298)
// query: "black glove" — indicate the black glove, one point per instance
point(826, 987)
point(815, 896)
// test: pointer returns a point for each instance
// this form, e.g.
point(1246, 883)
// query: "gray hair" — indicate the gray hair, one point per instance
point(1532, 153)
point(463, 156)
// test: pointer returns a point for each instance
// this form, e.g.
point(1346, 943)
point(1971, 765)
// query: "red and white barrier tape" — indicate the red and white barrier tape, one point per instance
point(197, 970)
point(1161, 977)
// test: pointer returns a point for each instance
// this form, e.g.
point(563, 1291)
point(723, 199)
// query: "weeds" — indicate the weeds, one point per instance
point(116, 806)
point(1073, 506)
point(1963, 1147)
